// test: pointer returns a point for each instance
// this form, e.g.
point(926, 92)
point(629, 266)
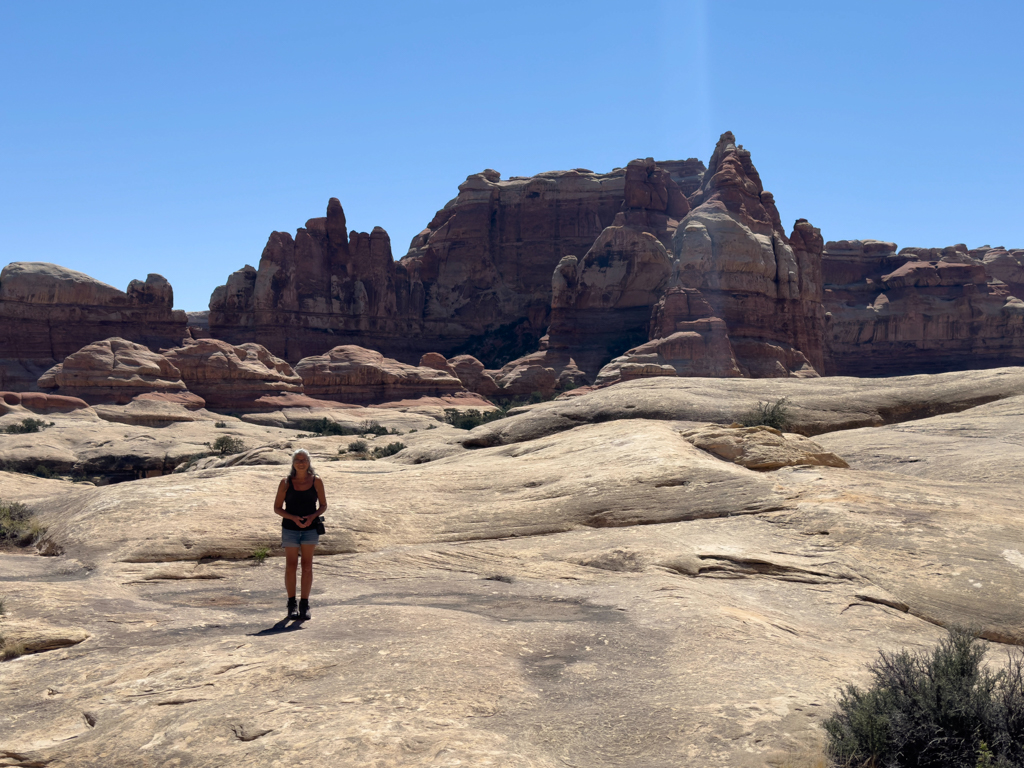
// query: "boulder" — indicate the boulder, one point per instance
point(472, 374)
point(352, 374)
point(115, 371)
point(761, 448)
point(231, 377)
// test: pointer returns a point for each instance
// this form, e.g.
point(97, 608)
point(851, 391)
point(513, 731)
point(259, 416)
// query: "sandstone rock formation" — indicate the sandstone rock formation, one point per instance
point(602, 302)
point(478, 276)
point(743, 297)
point(48, 312)
point(921, 310)
point(115, 371)
point(613, 557)
point(351, 374)
point(234, 377)
point(38, 403)
point(761, 448)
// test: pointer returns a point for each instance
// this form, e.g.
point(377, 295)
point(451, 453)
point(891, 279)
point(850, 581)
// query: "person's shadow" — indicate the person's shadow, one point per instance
point(280, 627)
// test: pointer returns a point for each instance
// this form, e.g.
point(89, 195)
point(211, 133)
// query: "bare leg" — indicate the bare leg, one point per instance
point(307, 570)
point(291, 562)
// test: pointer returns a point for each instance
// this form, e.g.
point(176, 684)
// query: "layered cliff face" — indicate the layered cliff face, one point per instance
point(742, 299)
point(48, 312)
point(323, 283)
point(477, 279)
point(601, 303)
point(765, 286)
point(921, 310)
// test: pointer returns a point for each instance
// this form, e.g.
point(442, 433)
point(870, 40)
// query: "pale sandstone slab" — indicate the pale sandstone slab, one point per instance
point(815, 405)
point(680, 610)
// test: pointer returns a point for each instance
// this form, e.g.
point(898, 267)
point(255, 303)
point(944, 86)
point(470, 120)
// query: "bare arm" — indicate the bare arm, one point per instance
point(321, 498)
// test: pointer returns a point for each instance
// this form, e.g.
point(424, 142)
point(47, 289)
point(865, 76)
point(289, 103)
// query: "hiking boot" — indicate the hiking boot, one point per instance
point(304, 614)
point(293, 609)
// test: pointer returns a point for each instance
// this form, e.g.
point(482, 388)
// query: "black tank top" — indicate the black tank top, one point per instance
point(300, 504)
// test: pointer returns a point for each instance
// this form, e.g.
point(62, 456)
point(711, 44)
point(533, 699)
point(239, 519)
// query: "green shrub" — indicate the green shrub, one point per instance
point(226, 445)
point(42, 470)
point(933, 710)
point(260, 554)
point(17, 526)
point(26, 426)
point(220, 424)
point(324, 427)
point(767, 414)
point(388, 450)
point(374, 428)
point(357, 446)
point(469, 419)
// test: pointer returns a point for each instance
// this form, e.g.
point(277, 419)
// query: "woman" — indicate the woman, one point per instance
point(300, 502)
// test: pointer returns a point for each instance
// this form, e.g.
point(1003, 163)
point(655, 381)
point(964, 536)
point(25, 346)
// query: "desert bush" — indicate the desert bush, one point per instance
point(27, 425)
point(324, 427)
point(471, 418)
point(374, 428)
point(357, 446)
point(17, 526)
point(220, 424)
point(387, 450)
point(42, 470)
point(941, 709)
point(226, 445)
point(260, 554)
point(767, 414)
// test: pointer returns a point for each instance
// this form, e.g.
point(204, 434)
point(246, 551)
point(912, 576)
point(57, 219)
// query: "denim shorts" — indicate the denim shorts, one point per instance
point(298, 538)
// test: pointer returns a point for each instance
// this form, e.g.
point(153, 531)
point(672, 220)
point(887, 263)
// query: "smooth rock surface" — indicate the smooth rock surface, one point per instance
point(604, 595)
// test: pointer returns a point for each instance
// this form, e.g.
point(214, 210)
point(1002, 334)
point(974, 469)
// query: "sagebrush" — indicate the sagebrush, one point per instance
point(27, 425)
point(17, 526)
point(774, 415)
point(938, 709)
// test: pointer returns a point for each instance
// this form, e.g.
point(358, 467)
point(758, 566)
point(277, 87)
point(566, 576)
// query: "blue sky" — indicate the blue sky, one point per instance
point(174, 137)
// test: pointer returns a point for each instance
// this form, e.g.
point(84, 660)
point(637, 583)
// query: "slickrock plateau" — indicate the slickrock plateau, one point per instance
point(619, 578)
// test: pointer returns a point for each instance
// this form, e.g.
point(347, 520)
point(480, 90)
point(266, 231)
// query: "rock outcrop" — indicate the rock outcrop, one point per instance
point(601, 303)
point(352, 374)
point(921, 310)
point(115, 371)
point(48, 312)
point(233, 377)
point(711, 613)
point(37, 402)
point(742, 299)
point(476, 280)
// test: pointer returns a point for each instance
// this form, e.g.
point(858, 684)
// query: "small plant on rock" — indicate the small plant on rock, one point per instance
point(775, 415)
point(17, 526)
point(260, 554)
point(220, 424)
point(226, 445)
point(357, 446)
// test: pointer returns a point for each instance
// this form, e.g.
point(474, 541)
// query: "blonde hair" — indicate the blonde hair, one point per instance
point(310, 471)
